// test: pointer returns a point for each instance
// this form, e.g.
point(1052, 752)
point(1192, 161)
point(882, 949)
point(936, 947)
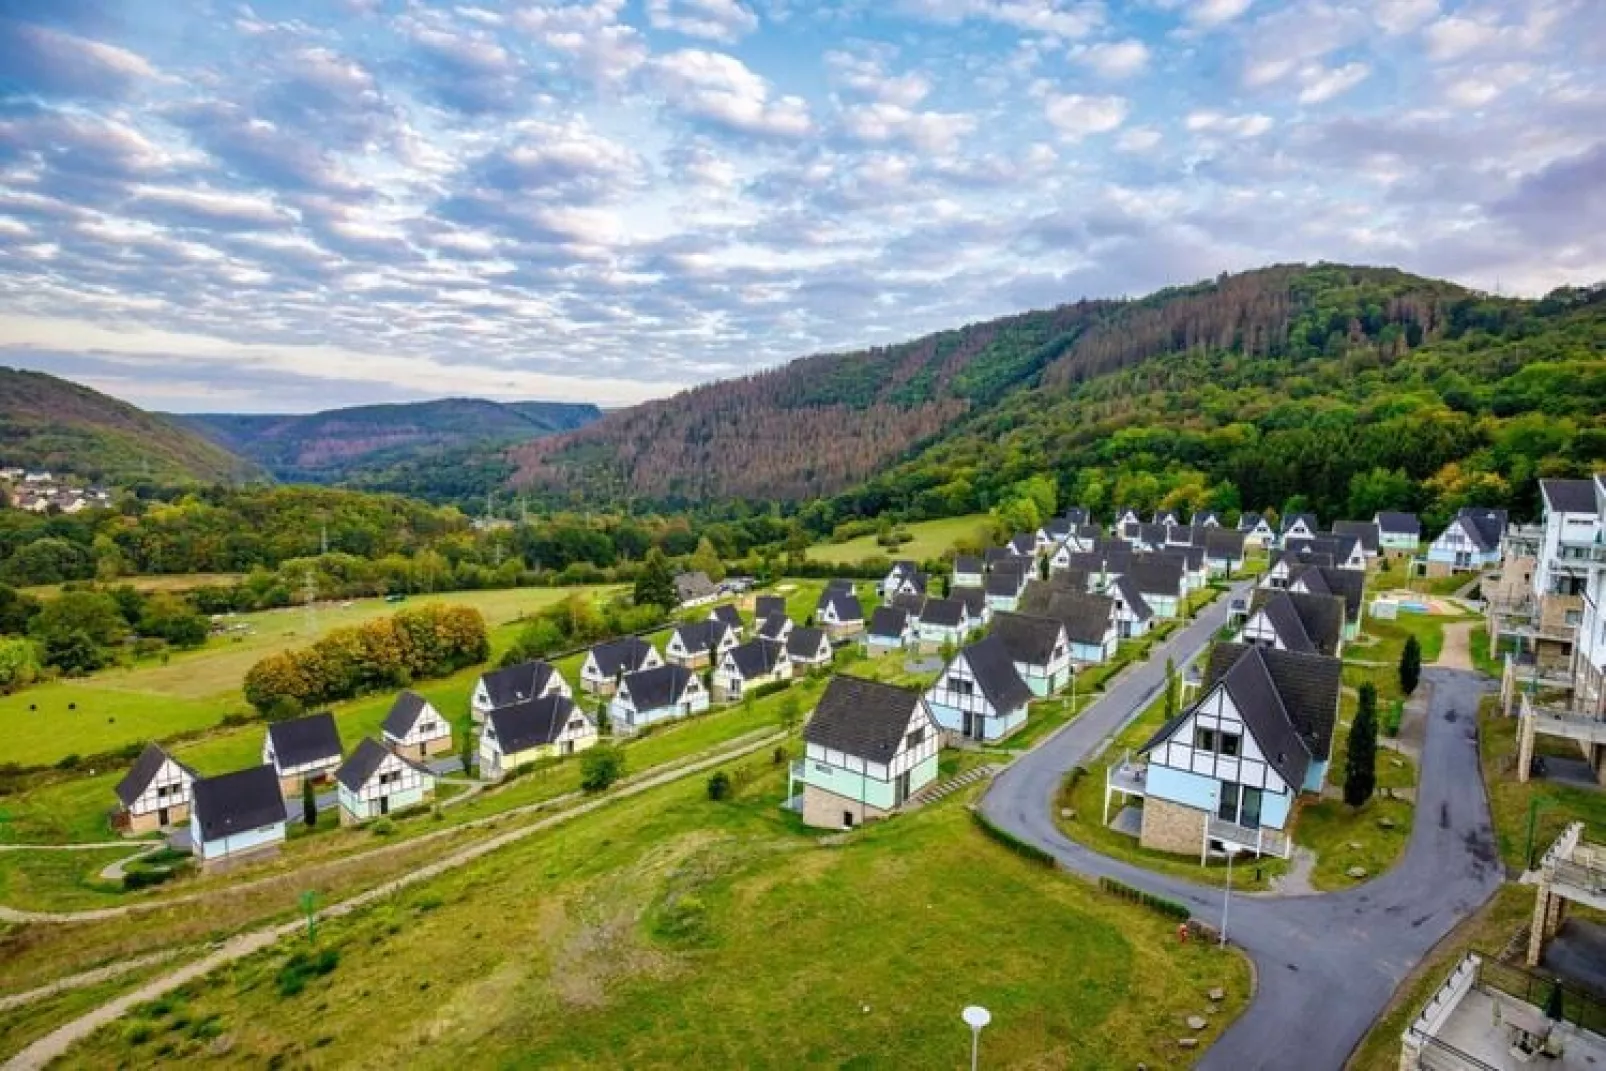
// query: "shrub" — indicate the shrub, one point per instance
point(1026, 851)
point(1159, 904)
point(303, 966)
point(768, 688)
point(600, 767)
point(719, 786)
point(383, 828)
point(145, 877)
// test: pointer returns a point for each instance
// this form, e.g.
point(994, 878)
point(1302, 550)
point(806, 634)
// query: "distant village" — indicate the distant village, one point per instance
point(43, 491)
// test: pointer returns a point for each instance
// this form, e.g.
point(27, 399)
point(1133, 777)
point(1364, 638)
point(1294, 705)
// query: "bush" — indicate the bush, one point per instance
point(767, 688)
point(600, 767)
point(303, 966)
point(1026, 851)
point(1395, 715)
point(1159, 904)
point(384, 827)
point(719, 786)
point(145, 877)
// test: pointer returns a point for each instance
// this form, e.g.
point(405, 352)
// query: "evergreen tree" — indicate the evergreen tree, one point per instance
point(1410, 665)
point(468, 747)
point(309, 803)
point(1360, 771)
point(1170, 689)
point(791, 711)
point(655, 586)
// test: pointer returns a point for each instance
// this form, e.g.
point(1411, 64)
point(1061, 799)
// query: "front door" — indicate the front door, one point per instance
point(384, 804)
point(1228, 810)
point(901, 789)
point(161, 817)
point(971, 730)
point(1249, 812)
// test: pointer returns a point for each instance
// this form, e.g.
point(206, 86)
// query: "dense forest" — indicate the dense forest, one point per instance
point(1324, 387)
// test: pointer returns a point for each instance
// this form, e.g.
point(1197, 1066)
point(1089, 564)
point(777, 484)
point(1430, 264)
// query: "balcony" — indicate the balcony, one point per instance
point(1127, 776)
point(1260, 840)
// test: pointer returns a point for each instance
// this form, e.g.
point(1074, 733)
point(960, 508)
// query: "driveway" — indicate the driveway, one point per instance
point(1326, 964)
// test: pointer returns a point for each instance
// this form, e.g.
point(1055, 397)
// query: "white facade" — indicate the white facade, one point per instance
point(730, 684)
point(592, 679)
point(428, 729)
point(1212, 742)
point(577, 734)
point(168, 792)
point(394, 785)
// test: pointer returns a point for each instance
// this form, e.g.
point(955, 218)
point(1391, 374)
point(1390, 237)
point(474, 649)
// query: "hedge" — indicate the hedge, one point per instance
point(1026, 851)
point(1160, 904)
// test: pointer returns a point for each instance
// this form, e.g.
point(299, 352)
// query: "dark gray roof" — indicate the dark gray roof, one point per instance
point(728, 614)
point(1347, 584)
point(773, 626)
point(236, 802)
point(1485, 526)
point(1037, 595)
point(839, 583)
point(699, 636)
point(1224, 543)
point(1307, 686)
point(765, 605)
point(908, 603)
point(1249, 521)
point(1024, 544)
point(303, 740)
point(138, 778)
point(1028, 638)
point(515, 684)
point(533, 722)
point(1365, 531)
point(1569, 496)
point(946, 613)
point(1086, 617)
point(973, 599)
point(848, 607)
point(756, 657)
point(1192, 558)
point(1284, 619)
point(1014, 566)
point(804, 643)
point(1156, 575)
point(404, 713)
point(623, 655)
point(357, 769)
point(1260, 704)
point(1397, 523)
point(994, 669)
point(968, 563)
point(1078, 515)
point(658, 687)
point(1204, 515)
point(1152, 534)
point(903, 566)
point(993, 555)
point(693, 585)
point(865, 719)
point(1309, 518)
point(1300, 558)
point(1132, 596)
point(889, 621)
point(1005, 584)
point(1165, 517)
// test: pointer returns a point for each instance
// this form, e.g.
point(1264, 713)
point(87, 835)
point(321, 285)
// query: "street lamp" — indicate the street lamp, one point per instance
point(1226, 900)
point(975, 1017)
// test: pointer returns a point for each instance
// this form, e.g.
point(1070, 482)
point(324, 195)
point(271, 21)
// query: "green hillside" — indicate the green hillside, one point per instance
point(50, 423)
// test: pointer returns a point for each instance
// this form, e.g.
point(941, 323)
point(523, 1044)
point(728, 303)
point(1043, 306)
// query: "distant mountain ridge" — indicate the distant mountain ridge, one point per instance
point(361, 444)
point(51, 423)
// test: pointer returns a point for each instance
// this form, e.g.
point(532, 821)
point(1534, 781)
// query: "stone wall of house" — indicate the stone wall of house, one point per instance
point(1172, 827)
point(824, 810)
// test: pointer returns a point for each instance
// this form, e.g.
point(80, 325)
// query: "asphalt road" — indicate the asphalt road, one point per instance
point(1326, 964)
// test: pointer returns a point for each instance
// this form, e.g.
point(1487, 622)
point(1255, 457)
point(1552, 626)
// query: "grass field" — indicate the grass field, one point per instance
point(196, 689)
point(170, 582)
point(1553, 805)
point(931, 540)
point(669, 930)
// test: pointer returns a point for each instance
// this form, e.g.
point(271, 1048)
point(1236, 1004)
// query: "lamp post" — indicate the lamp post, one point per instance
point(975, 1017)
point(1226, 900)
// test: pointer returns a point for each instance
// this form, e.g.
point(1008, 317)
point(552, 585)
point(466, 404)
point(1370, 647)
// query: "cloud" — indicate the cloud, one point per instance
point(1455, 36)
point(1237, 126)
point(1116, 59)
point(881, 123)
point(725, 21)
point(1323, 84)
point(1070, 19)
point(53, 63)
point(1211, 13)
point(1077, 116)
point(720, 90)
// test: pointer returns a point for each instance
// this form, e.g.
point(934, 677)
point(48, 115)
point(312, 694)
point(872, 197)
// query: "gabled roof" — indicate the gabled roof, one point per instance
point(944, 613)
point(1249, 521)
point(1024, 544)
point(968, 563)
point(756, 657)
point(623, 655)
point(699, 636)
point(1166, 517)
point(1028, 638)
point(765, 605)
point(1483, 526)
point(1156, 574)
point(865, 719)
point(236, 802)
point(993, 555)
point(773, 626)
point(1309, 518)
point(1284, 620)
point(1317, 620)
point(726, 614)
point(302, 740)
point(1365, 531)
point(693, 585)
point(1203, 517)
point(1086, 617)
point(1002, 583)
point(1300, 558)
point(1152, 534)
point(138, 778)
point(356, 770)
point(1130, 594)
point(846, 604)
point(1224, 543)
point(533, 722)
point(1569, 496)
point(1078, 515)
point(1191, 557)
point(404, 713)
point(910, 604)
point(839, 583)
point(973, 599)
point(1307, 686)
point(1393, 522)
point(658, 687)
point(515, 684)
point(889, 621)
point(805, 642)
point(902, 567)
point(1347, 584)
point(990, 663)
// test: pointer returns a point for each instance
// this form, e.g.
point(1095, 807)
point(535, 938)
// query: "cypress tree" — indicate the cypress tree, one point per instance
point(309, 803)
point(1360, 771)
point(1410, 665)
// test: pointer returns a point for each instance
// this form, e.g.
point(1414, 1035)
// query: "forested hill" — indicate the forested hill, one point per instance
point(1328, 385)
point(50, 423)
point(394, 447)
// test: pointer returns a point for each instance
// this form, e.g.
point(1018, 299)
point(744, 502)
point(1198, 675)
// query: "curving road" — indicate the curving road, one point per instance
point(1326, 964)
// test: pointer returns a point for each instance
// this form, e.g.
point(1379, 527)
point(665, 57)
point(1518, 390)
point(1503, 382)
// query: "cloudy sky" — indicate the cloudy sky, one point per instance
point(289, 206)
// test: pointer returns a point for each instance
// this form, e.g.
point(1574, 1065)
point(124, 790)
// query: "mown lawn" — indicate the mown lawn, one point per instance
point(931, 540)
point(1512, 801)
point(673, 931)
point(196, 689)
point(1384, 641)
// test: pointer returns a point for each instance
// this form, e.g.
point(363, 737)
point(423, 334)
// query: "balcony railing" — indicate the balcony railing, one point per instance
point(1129, 775)
point(1260, 840)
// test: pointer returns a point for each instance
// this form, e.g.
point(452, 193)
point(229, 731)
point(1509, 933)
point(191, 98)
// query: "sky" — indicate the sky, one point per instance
point(294, 206)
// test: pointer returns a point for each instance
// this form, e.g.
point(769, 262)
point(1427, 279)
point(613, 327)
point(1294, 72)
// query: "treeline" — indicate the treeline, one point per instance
point(386, 653)
point(80, 631)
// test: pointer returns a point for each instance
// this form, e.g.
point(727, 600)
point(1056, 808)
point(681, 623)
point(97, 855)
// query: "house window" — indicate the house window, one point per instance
point(1204, 739)
point(961, 685)
point(821, 767)
point(916, 738)
point(576, 725)
point(847, 819)
point(1229, 744)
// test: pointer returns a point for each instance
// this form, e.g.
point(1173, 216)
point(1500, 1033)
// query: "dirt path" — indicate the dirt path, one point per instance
point(1457, 650)
point(88, 978)
point(56, 1043)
